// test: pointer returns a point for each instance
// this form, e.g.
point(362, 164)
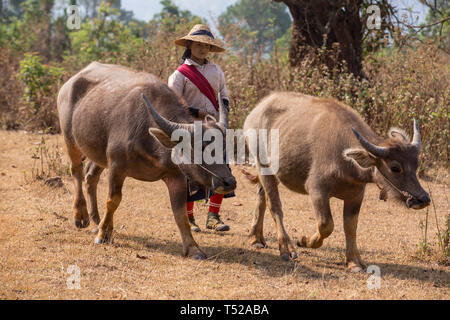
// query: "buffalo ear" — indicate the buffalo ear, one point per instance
point(210, 118)
point(399, 134)
point(162, 137)
point(361, 157)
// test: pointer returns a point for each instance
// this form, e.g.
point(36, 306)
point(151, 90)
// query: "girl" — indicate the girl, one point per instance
point(198, 81)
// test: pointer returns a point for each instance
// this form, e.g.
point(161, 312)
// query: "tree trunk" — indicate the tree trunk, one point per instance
point(331, 27)
point(46, 18)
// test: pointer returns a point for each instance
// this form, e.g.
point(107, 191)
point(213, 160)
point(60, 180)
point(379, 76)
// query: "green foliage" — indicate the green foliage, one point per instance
point(439, 32)
point(31, 30)
point(17, 32)
point(99, 38)
point(171, 10)
point(38, 79)
point(283, 44)
point(14, 8)
point(171, 17)
point(258, 22)
point(91, 7)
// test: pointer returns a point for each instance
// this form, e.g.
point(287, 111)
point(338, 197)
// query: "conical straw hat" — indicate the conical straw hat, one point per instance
point(201, 33)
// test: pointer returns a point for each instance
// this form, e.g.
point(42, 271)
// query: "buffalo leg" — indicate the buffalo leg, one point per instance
point(325, 224)
point(351, 212)
point(80, 212)
point(92, 177)
point(105, 228)
point(256, 232)
point(270, 185)
point(177, 193)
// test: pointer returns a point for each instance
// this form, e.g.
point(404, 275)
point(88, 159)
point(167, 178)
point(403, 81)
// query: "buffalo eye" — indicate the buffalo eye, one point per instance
point(396, 169)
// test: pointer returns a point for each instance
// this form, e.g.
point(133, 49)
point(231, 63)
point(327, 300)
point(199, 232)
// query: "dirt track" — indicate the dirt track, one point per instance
point(38, 243)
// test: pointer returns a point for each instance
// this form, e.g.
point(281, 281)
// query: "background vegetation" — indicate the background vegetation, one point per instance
point(406, 67)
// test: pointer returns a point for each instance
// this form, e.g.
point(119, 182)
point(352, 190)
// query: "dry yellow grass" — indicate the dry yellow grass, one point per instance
point(38, 242)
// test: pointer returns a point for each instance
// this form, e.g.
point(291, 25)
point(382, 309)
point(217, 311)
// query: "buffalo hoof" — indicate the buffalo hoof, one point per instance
point(82, 224)
point(102, 241)
point(285, 257)
point(356, 269)
point(259, 245)
point(199, 256)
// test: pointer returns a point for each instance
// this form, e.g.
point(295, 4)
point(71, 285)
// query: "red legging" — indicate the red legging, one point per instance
point(214, 205)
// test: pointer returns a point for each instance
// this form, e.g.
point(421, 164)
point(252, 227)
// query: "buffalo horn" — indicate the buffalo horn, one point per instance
point(416, 141)
point(373, 149)
point(167, 126)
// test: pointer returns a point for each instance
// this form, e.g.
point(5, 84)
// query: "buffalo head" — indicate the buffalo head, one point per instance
point(215, 175)
point(395, 161)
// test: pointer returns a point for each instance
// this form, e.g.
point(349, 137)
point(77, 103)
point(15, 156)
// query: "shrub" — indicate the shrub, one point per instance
point(41, 83)
point(10, 90)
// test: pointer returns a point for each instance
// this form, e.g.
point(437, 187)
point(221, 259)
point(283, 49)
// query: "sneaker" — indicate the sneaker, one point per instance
point(213, 222)
point(194, 226)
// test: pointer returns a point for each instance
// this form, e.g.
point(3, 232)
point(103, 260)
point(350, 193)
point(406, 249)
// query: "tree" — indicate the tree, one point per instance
point(335, 31)
point(260, 22)
point(172, 20)
point(99, 38)
point(438, 20)
point(329, 25)
point(171, 16)
point(11, 8)
point(31, 29)
point(92, 6)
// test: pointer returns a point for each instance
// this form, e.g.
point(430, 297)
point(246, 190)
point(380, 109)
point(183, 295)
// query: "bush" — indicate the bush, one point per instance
point(41, 83)
point(412, 83)
point(10, 90)
point(98, 39)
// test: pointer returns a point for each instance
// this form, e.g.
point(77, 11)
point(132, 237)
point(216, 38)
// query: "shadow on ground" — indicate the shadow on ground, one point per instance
point(273, 266)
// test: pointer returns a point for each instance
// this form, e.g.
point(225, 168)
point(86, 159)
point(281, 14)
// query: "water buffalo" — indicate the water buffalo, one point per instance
point(326, 150)
point(105, 117)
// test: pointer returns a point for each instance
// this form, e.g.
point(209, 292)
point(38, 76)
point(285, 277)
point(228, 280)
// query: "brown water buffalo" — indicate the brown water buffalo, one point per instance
point(326, 150)
point(105, 117)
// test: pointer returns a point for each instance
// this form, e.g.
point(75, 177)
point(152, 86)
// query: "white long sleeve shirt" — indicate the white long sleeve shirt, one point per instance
point(191, 94)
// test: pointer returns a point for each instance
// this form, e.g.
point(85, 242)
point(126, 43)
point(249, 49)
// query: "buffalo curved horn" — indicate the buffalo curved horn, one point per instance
point(373, 149)
point(166, 125)
point(223, 113)
point(416, 140)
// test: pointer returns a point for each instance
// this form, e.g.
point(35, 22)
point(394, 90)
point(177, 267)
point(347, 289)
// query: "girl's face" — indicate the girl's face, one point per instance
point(200, 50)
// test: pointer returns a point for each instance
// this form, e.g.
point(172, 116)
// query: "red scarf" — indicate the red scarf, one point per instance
point(192, 73)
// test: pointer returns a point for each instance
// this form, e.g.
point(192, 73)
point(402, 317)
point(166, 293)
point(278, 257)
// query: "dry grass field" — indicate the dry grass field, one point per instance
point(38, 243)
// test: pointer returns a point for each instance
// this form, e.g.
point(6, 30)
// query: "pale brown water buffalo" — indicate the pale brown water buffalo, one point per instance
point(104, 117)
point(326, 150)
